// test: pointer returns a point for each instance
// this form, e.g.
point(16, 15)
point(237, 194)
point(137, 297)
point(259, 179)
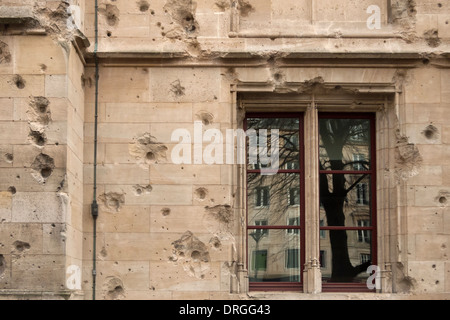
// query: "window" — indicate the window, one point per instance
point(294, 197)
point(361, 193)
point(262, 196)
point(259, 260)
point(346, 193)
point(347, 171)
point(261, 232)
point(278, 241)
point(364, 235)
point(292, 258)
point(323, 263)
point(293, 222)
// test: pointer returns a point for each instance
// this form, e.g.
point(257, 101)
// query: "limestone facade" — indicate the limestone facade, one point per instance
point(179, 231)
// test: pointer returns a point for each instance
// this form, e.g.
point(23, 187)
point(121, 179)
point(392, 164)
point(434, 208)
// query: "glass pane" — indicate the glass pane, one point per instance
point(344, 144)
point(263, 146)
point(274, 200)
point(345, 256)
point(345, 200)
point(274, 255)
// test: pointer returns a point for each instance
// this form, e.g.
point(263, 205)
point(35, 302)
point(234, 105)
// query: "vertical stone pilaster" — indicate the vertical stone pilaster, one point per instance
point(311, 273)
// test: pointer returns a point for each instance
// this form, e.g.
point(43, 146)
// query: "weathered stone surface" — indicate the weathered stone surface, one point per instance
point(178, 231)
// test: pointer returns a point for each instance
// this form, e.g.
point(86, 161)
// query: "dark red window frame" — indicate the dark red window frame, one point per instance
point(347, 286)
point(282, 286)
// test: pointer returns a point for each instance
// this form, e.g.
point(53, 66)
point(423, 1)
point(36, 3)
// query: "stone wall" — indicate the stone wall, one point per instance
point(177, 231)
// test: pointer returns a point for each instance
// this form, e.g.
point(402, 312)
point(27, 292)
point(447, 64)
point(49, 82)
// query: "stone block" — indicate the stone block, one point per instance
point(184, 174)
point(38, 272)
point(21, 239)
point(38, 207)
point(117, 174)
point(167, 195)
point(127, 246)
point(443, 25)
point(5, 206)
point(39, 55)
point(134, 276)
point(184, 85)
point(431, 196)
point(428, 276)
point(176, 219)
point(6, 109)
point(56, 86)
point(140, 112)
point(115, 132)
point(130, 219)
point(424, 87)
point(54, 238)
point(431, 247)
point(425, 220)
point(128, 85)
point(22, 86)
point(14, 133)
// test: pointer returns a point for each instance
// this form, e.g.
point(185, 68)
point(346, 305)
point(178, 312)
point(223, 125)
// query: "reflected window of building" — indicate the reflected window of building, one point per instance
point(275, 202)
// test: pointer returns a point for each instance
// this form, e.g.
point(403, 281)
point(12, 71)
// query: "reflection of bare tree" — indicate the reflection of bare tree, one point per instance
point(340, 140)
point(338, 136)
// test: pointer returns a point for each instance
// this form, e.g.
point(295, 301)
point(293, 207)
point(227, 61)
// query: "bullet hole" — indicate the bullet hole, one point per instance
point(426, 61)
point(245, 8)
point(39, 114)
point(431, 132)
point(9, 157)
point(109, 34)
point(150, 156)
point(183, 13)
point(111, 12)
point(223, 4)
point(12, 190)
point(37, 138)
point(21, 246)
point(144, 6)
point(165, 211)
point(440, 5)
point(86, 81)
point(43, 67)
point(19, 82)
point(442, 200)
point(192, 254)
point(43, 166)
point(114, 289)
point(432, 38)
point(201, 193)
point(140, 190)
point(222, 213)
point(177, 89)
point(206, 118)
point(103, 252)
point(112, 201)
point(408, 158)
point(147, 150)
point(215, 242)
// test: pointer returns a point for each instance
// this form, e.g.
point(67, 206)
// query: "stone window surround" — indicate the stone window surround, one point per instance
point(383, 99)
